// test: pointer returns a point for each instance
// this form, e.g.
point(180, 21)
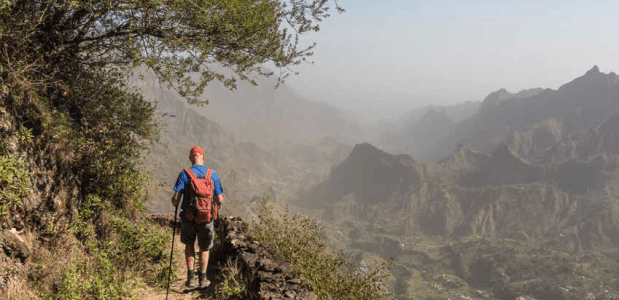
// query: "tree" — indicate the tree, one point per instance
point(172, 37)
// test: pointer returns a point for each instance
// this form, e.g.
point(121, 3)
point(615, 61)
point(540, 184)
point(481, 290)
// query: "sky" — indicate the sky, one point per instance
point(383, 58)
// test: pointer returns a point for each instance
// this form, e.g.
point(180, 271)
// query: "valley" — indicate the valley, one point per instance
point(523, 203)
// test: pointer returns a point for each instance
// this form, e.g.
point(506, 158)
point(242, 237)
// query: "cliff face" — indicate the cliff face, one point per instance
point(536, 213)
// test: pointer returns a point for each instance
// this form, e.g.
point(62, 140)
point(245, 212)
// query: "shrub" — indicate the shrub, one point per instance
point(106, 271)
point(14, 182)
point(234, 283)
point(331, 275)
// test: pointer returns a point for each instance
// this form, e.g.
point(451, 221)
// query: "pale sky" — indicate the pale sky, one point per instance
point(381, 59)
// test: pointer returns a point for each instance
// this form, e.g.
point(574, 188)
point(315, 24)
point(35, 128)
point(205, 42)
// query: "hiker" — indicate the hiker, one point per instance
point(190, 226)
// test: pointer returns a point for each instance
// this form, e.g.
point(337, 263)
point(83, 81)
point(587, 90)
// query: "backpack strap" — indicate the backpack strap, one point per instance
point(190, 173)
point(193, 176)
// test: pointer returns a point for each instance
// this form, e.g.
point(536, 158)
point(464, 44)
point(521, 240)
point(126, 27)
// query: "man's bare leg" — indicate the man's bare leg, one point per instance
point(190, 254)
point(203, 281)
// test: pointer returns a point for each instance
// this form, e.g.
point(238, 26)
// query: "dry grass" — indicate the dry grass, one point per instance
point(38, 274)
point(234, 283)
point(17, 288)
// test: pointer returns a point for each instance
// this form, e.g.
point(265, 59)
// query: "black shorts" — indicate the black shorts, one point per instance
point(204, 232)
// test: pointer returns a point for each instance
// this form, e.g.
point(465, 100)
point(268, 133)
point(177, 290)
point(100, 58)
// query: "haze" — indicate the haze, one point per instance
point(381, 59)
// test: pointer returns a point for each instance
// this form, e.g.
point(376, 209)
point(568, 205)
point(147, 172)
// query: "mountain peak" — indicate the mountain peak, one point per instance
point(494, 99)
point(594, 70)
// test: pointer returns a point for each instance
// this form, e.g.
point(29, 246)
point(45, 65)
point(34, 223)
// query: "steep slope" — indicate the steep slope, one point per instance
point(504, 167)
point(600, 139)
point(532, 144)
point(465, 159)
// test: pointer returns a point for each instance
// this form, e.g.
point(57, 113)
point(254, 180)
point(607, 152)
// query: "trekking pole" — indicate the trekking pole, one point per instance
point(171, 251)
point(220, 228)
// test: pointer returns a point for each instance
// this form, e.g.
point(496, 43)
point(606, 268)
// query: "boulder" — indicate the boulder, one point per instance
point(14, 245)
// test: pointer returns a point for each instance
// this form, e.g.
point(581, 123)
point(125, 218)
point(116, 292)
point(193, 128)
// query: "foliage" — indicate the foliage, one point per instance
point(63, 65)
point(234, 284)
point(25, 135)
point(94, 279)
point(107, 271)
point(172, 37)
point(331, 275)
point(14, 182)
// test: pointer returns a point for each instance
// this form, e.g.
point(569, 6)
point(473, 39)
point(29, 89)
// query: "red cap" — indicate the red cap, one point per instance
point(196, 150)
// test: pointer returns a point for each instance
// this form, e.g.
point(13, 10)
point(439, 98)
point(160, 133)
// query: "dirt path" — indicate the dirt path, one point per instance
point(178, 290)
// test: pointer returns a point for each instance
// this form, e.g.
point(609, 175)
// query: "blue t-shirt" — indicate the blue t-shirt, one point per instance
point(182, 184)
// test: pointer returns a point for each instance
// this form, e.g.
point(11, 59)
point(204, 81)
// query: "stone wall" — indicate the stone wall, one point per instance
point(271, 277)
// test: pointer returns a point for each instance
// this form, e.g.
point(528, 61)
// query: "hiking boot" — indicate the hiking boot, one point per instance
point(202, 281)
point(190, 279)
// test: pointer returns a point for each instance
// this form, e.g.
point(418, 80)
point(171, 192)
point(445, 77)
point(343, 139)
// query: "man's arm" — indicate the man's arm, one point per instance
point(176, 198)
point(219, 198)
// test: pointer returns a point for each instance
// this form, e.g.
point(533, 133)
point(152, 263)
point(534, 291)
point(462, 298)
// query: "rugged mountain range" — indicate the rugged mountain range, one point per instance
point(390, 206)
point(533, 172)
point(577, 105)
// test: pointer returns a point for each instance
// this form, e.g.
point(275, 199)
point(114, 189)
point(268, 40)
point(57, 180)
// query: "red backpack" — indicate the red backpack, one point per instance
point(200, 209)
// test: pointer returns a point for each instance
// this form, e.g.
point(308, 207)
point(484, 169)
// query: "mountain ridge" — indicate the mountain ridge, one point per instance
point(578, 104)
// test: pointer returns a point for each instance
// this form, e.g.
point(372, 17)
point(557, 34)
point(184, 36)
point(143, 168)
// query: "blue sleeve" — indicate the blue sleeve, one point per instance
point(180, 182)
point(218, 189)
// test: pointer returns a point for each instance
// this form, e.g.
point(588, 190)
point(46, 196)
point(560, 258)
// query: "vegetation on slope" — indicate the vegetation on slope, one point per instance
point(330, 274)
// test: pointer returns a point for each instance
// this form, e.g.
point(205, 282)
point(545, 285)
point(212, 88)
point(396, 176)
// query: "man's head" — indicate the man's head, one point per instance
point(196, 155)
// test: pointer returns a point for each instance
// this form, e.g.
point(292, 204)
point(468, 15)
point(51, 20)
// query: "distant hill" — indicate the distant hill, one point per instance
point(371, 174)
point(402, 134)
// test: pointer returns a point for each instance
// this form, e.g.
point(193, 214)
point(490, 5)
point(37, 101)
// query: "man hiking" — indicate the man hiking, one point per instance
point(198, 212)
